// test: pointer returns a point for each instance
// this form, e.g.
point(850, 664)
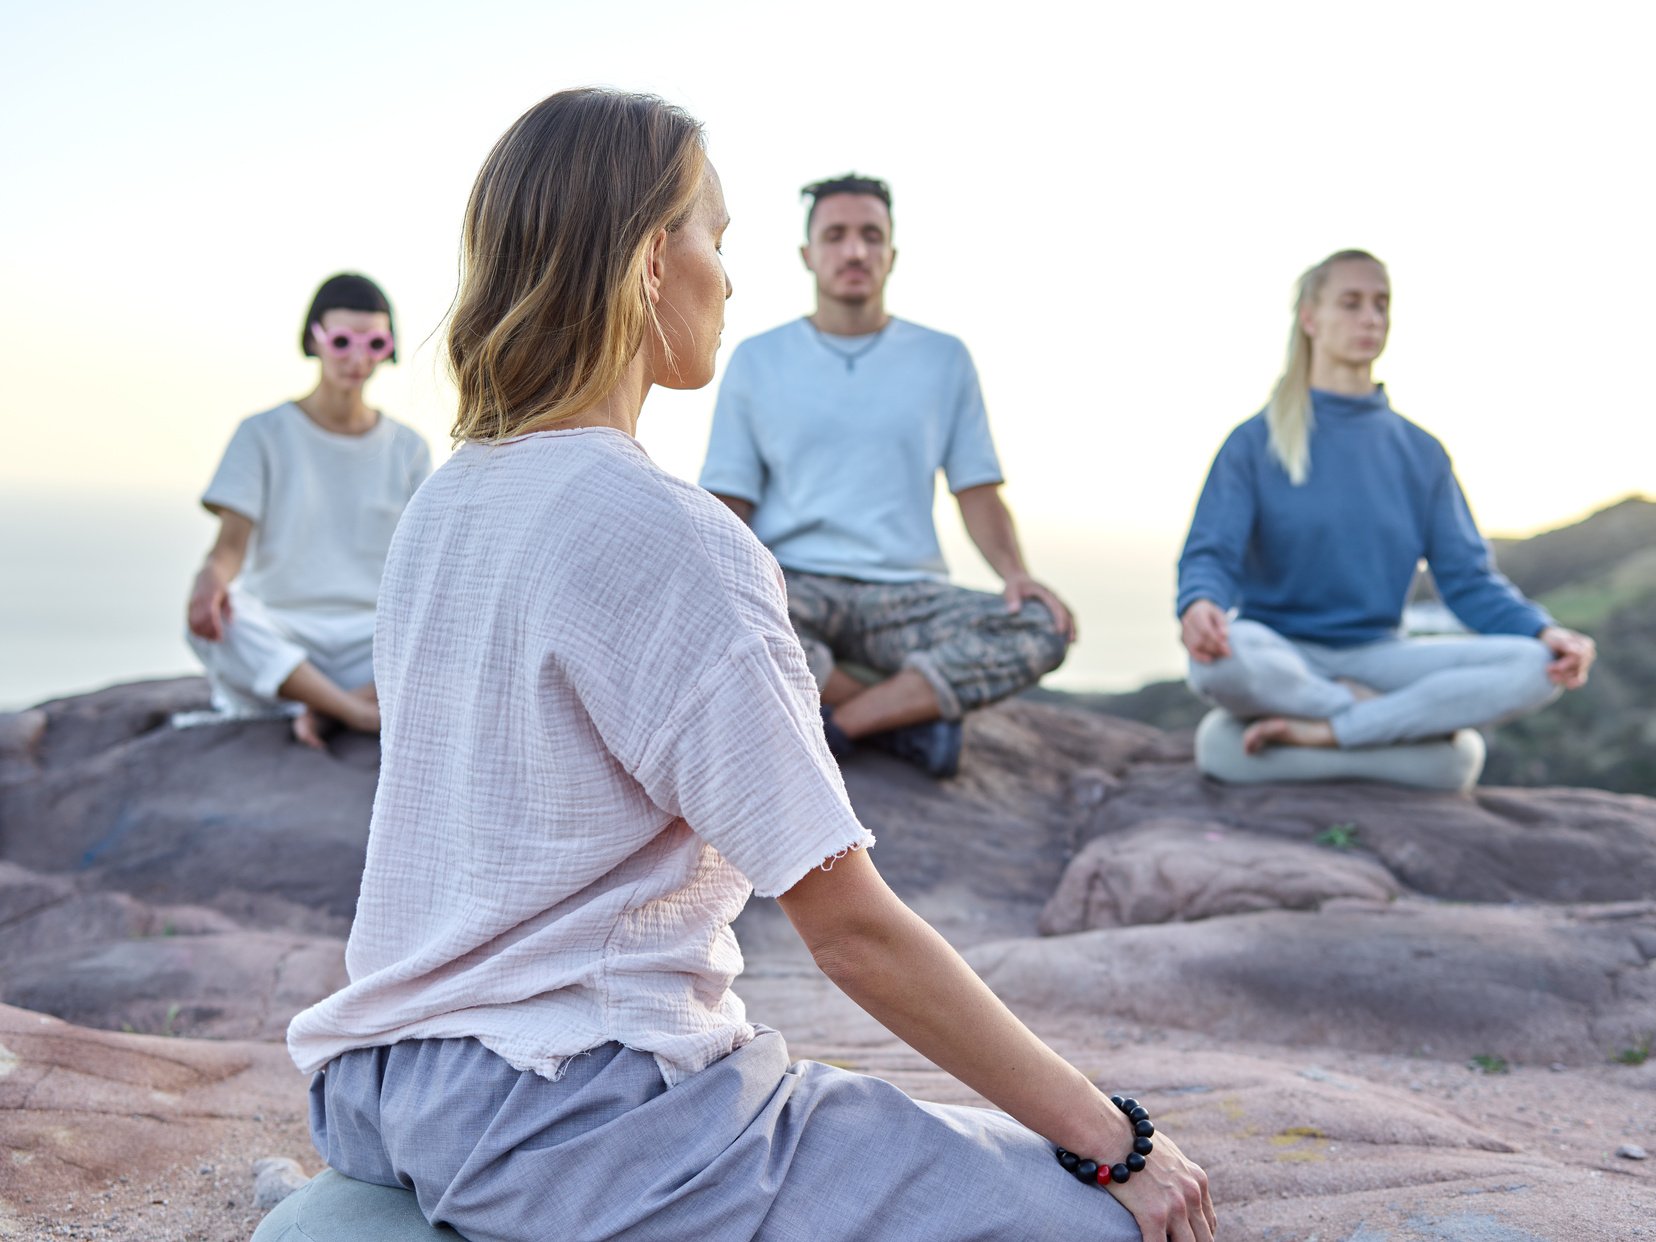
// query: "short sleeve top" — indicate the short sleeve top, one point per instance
point(599, 735)
point(837, 443)
point(323, 505)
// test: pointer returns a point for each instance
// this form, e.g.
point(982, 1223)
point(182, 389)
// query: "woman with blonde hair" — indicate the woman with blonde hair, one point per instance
point(1314, 518)
point(600, 735)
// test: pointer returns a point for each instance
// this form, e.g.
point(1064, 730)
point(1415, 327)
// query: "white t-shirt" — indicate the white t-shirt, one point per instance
point(323, 506)
point(840, 461)
point(598, 732)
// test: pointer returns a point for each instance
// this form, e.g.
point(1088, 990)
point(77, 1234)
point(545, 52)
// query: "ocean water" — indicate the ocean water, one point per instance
point(93, 588)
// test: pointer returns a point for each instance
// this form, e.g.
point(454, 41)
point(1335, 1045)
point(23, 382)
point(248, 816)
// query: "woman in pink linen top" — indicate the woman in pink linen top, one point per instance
point(600, 735)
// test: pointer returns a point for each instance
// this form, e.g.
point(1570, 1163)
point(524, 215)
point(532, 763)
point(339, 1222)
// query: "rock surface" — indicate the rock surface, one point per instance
point(234, 816)
point(1167, 870)
point(1496, 845)
point(1530, 985)
point(274, 1179)
point(112, 1135)
point(1313, 1023)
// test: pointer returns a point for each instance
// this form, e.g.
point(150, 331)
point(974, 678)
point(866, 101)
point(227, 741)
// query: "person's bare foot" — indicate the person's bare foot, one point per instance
point(310, 728)
point(313, 728)
point(1287, 731)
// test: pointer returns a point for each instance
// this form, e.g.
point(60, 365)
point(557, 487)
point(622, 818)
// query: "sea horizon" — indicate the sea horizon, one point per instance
point(94, 585)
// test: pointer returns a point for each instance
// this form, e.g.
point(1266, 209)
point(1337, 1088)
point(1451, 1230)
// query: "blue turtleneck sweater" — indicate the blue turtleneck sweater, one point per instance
point(1331, 561)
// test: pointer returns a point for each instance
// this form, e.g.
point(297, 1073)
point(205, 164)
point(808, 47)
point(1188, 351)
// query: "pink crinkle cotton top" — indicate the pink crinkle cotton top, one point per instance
point(599, 736)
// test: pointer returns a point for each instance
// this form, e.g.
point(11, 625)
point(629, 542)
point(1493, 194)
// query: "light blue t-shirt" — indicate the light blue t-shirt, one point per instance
point(840, 458)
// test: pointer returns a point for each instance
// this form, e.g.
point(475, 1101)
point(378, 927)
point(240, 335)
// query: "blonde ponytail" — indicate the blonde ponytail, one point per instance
point(1288, 417)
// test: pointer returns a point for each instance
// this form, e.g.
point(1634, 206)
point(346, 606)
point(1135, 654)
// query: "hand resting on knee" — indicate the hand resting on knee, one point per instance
point(894, 965)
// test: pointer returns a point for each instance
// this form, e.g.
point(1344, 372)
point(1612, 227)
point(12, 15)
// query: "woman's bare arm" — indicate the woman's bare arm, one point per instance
point(210, 595)
point(896, 967)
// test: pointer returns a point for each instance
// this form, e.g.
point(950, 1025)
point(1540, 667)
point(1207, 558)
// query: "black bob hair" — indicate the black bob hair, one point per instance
point(346, 291)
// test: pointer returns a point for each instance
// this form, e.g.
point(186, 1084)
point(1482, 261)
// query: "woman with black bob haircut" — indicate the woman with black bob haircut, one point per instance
point(600, 735)
point(307, 494)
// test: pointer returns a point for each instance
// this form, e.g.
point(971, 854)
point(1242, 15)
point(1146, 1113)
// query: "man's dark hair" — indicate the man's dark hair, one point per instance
point(850, 183)
point(346, 291)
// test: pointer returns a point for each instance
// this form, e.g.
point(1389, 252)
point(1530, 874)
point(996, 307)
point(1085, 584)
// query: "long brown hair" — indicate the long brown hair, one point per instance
point(1288, 417)
point(552, 305)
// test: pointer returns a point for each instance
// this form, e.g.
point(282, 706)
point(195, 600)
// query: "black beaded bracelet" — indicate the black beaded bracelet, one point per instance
point(1095, 1174)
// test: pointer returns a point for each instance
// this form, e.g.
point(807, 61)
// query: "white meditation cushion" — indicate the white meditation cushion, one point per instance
point(1452, 763)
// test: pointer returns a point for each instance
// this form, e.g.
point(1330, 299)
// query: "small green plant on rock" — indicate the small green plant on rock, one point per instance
point(1488, 1063)
point(1638, 1054)
point(1338, 837)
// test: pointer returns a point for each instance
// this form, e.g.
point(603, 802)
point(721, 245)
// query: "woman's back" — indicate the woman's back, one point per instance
point(558, 692)
point(600, 731)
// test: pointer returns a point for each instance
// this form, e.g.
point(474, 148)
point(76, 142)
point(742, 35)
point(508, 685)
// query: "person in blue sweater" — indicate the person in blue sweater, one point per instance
point(1313, 519)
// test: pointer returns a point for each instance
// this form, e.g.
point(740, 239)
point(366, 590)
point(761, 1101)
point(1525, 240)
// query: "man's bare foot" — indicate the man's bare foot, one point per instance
point(1287, 731)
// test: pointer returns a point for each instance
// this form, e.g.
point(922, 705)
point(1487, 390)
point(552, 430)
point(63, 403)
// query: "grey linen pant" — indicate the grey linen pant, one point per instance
point(967, 646)
point(1428, 687)
point(749, 1148)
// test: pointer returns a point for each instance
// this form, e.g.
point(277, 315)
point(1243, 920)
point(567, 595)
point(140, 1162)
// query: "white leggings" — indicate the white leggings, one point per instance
point(1428, 687)
point(262, 646)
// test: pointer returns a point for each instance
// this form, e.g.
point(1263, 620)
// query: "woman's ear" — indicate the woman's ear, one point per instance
point(655, 266)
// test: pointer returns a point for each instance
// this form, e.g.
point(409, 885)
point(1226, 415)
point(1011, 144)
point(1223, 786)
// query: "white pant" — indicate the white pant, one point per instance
point(262, 646)
point(1429, 687)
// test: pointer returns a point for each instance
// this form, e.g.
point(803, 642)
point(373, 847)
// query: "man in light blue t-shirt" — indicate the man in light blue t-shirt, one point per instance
point(827, 438)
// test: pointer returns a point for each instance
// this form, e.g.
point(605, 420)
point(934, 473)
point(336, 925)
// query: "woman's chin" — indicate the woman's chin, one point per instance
point(687, 378)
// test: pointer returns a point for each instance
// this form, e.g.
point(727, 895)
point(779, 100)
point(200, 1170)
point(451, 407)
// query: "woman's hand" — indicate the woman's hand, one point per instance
point(209, 610)
point(1205, 632)
point(1573, 656)
point(1169, 1197)
point(209, 605)
point(901, 972)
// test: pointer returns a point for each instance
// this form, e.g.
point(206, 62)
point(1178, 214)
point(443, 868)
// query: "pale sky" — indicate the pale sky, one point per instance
point(1108, 203)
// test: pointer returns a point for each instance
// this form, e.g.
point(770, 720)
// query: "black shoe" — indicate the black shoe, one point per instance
point(933, 747)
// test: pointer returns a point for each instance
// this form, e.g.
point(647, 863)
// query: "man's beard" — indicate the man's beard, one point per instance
point(857, 297)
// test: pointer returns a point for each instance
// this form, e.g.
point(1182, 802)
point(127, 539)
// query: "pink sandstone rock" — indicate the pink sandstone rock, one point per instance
point(1313, 1054)
point(1169, 870)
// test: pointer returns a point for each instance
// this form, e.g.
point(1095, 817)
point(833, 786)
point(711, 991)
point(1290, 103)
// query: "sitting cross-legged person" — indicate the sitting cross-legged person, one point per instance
point(600, 737)
point(827, 439)
point(1312, 522)
point(307, 496)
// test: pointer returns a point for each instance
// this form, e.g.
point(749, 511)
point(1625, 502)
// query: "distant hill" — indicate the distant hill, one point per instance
point(1598, 576)
point(1576, 555)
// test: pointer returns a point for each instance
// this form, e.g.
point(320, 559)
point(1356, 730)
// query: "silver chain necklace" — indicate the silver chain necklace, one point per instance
point(849, 355)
